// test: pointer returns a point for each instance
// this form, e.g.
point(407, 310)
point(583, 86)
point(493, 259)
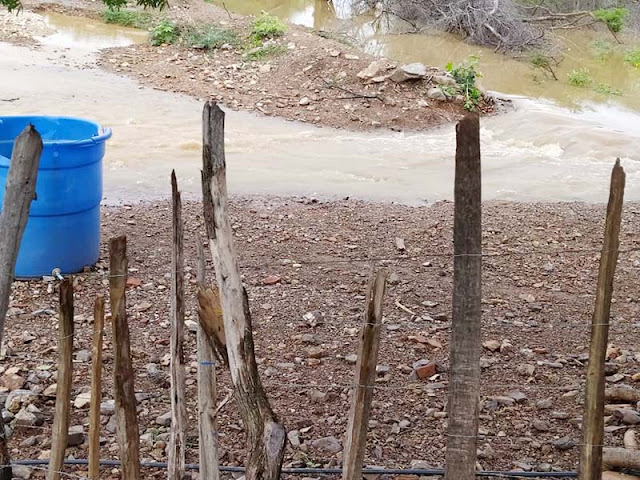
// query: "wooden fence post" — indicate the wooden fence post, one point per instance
point(96, 389)
point(593, 419)
point(466, 321)
point(127, 433)
point(265, 435)
point(176, 467)
point(60, 430)
point(365, 379)
point(20, 189)
point(207, 391)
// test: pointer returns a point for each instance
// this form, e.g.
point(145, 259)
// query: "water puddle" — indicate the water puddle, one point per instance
point(87, 34)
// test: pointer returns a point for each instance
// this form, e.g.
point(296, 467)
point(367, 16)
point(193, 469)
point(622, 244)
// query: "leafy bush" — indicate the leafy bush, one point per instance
point(165, 31)
point(209, 37)
point(606, 89)
point(465, 75)
point(613, 17)
point(632, 57)
point(118, 4)
point(580, 78)
point(127, 18)
point(268, 51)
point(267, 26)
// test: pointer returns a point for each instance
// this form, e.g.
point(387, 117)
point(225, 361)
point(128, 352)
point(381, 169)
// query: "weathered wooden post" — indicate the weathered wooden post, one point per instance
point(593, 419)
point(466, 321)
point(60, 429)
point(177, 445)
point(364, 379)
point(96, 389)
point(265, 435)
point(127, 432)
point(20, 189)
point(207, 391)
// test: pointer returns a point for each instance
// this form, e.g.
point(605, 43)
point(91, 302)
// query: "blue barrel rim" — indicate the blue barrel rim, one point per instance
point(102, 136)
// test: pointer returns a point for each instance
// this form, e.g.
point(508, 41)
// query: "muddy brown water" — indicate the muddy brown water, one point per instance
point(539, 152)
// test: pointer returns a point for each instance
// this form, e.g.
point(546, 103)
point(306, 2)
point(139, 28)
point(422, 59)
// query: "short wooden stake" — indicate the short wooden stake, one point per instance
point(464, 356)
point(365, 379)
point(176, 467)
point(593, 419)
point(207, 391)
point(96, 389)
point(60, 430)
point(127, 432)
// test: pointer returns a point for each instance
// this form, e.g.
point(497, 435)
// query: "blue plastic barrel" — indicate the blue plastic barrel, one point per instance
point(63, 229)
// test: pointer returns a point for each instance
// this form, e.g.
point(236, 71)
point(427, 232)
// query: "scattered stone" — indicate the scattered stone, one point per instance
point(444, 80)
point(12, 381)
point(304, 101)
point(316, 352)
point(373, 70)
point(327, 444)
point(83, 400)
point(412, 71)
point(316, 396)
point(544, 404)
point(164, 420)
point(25, 418)
point(541, 425)
point(492, 345)
point(436, 93)
point(142, 307)
point(294, 438)
point(627, 416)
point(108, 407)
point(273, 279)
point(426, 371)
point(519, 397)
point(75, 436)
point(18, 398)
point(191, 326)
point(526, 369)
point(559, 415)
point(83, 356)
point(564, 443)
point(111, 424)
point(21, 471)
point(353, 358)
point(334, 53)
point(350, 56)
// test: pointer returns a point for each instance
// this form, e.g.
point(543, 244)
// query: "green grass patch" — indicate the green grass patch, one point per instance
point(209, 37)
point(613, 17)
point(165, 31)
point(266, 52)
point(267, 26)
point(580, 78)
point(606, 89)
point(632, 57)
point(128, 18)
point(602, 49)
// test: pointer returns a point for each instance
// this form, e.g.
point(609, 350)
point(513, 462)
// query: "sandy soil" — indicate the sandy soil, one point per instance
point(536, 306)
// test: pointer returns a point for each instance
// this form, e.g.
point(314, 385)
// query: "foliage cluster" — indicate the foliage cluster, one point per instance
point(128, 18)
point(613, 17)
point(165, 32)
point(465, 74)
point(267, 26)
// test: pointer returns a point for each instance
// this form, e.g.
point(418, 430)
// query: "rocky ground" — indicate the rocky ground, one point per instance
point(306, 265)
point(317, 77)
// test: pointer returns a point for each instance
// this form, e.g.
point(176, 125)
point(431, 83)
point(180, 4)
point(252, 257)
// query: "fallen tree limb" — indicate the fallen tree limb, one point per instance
point(622, 394)
point(620, 458)
point(630, 441)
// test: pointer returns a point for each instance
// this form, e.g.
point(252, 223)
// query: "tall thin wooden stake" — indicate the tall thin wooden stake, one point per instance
point(465, 337)
point(60, 430)
point(96, 389)
point(365, 379)
point(176, 467)
point(127, 432)
point(20, 189)
point(207, 391)
point(593, 420)
point(265, 435)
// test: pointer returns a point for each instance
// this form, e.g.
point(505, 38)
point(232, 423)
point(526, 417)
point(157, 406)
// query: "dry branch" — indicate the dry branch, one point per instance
point(620, 458)
point(622, 393)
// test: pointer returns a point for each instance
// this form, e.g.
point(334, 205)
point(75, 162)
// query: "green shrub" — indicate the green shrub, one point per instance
point(613, 17)
point(165, 31)
point(209, 37)
point(465, 75)
point(118, 4)
point(127, 18)
point(268, 51)
point(606, 89)
point(267, 26)
point(632, 57)
point(545, 63)
point(580, 78)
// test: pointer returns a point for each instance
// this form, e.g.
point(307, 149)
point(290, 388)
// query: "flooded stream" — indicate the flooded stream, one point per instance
point(539, 152)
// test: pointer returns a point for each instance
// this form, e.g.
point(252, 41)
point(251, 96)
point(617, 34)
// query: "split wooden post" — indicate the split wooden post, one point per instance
point(176, 467)
point(265, 435)
point(365, 379)
point(60, 429)
point(20, 189)
point(96, 389)
point(593, 419)
point(127, 432)
point(464, 356)
point(207, 389)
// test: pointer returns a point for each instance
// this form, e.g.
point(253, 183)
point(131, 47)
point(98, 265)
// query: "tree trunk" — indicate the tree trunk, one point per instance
point(96, 389)
point(20, 189)
point(265, 436)
point(467, 310)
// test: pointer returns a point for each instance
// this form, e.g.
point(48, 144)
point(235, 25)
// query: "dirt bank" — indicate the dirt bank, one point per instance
point(535, 306)
point(313, 77)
